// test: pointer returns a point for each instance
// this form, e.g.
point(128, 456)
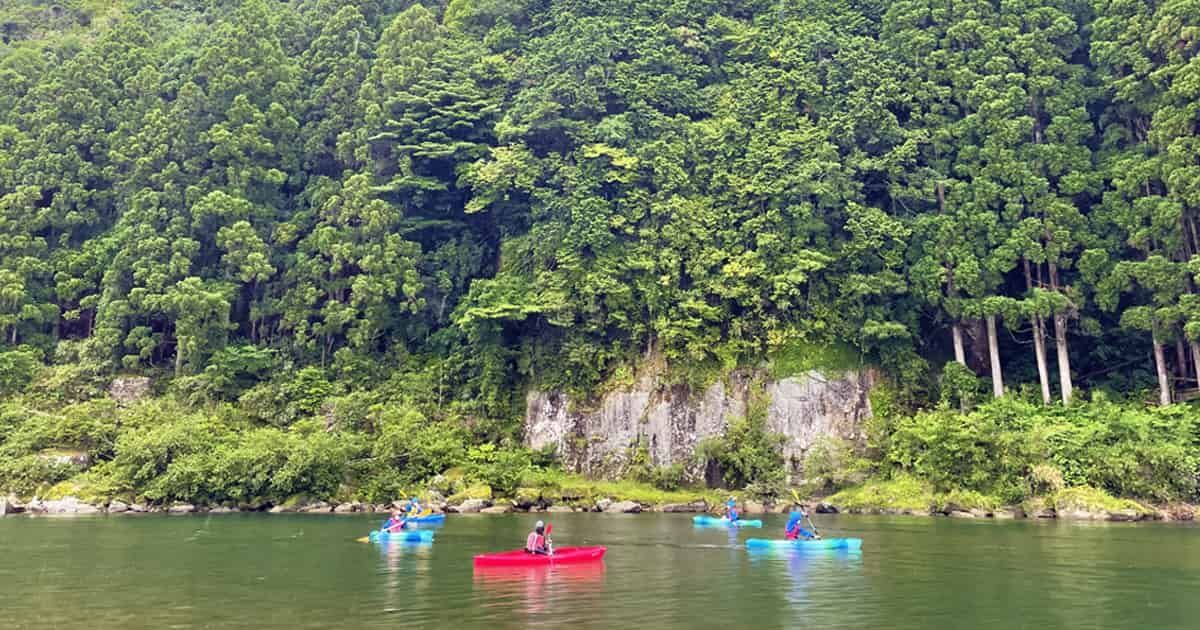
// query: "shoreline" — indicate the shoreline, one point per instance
point(72, 506)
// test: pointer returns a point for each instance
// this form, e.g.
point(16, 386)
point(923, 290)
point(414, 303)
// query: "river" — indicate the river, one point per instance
point(307, 571)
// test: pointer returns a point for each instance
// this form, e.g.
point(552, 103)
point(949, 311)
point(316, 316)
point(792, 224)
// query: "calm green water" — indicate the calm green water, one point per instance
point(307, 571)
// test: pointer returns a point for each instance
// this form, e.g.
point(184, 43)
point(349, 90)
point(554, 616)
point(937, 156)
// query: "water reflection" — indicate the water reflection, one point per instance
point(534, 590)
point(406, 570)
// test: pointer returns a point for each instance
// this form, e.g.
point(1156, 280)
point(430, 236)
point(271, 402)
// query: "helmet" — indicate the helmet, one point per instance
point(414, 500)
point(794, 515)
point(540, 524)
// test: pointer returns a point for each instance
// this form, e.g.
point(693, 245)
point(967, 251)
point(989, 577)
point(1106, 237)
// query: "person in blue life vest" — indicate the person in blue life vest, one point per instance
point(414, 507)
point(731, 511)
point(537, 542)
point(795, 527)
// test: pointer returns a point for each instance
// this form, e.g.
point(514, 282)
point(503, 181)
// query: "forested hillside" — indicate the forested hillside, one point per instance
point(319, 221)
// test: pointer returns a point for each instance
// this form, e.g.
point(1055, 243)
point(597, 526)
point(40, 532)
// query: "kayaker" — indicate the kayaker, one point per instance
point(414, 507)
point(537, 542)
point(395, 523)
point(731, 511)
point(795, 527)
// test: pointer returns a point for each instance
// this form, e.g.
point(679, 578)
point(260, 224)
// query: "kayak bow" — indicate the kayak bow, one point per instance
point(522, 558)
point(713, 521)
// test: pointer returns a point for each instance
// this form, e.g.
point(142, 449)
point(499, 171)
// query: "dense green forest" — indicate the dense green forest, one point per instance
point(345, 237)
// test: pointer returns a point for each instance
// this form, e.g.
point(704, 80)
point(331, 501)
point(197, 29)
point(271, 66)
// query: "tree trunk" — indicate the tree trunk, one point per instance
point(178, 357)
point(1196, 360)
point(994, 353)
point(1060, 343)
point(1181, 366)
point(960, 354)
point(1039, 342)
point(1160, 366)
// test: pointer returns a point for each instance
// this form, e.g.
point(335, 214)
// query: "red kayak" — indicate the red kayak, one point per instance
point(521, 558)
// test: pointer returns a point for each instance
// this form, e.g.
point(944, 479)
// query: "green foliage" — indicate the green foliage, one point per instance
point(902, 493)
point(960, 387)
point(285, 203)
point(748, 454)
point(641, 469)
point(233, 369)
point(32, 474)
point(799, 357)
point(414, 447)
point(17, 368)
point(1088, 499)
point(832, 464)
point(501, 469)
point(308, 390)
point(1013, 449)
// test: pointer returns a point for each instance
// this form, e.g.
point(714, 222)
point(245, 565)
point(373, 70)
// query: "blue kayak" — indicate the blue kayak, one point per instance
point(714, 521)
point(405, 535)
point(849, 544)
point(431, 519)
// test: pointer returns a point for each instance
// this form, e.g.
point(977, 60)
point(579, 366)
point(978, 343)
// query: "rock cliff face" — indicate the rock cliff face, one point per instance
point(670, 420)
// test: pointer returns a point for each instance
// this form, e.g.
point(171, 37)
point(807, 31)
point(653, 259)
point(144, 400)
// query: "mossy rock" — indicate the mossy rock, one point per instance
point(902, 495)
point(525, 497)
point(1086, 502)
point(966, 500)
point(474, 491)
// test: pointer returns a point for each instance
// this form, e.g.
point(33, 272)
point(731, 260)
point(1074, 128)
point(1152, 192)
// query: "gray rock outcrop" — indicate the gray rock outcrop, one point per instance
point(470, 506)
point(695, 507)
point(670, 420)
point(127, 390)
point(624, 507)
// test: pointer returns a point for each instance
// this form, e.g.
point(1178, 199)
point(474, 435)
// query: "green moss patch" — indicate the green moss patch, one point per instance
point(902, 494)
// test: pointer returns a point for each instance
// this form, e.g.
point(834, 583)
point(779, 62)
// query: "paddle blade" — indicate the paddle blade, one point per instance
point(364, 539)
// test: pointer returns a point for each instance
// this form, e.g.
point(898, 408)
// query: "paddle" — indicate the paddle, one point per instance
point(549, 548)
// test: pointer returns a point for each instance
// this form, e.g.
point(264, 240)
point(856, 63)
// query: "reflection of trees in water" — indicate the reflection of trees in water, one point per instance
point(534, 590)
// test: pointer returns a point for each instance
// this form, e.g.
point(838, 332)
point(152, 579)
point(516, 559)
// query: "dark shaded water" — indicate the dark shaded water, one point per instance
point(307, 571)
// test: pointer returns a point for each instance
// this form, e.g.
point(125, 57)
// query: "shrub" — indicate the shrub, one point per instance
point(831, 464)
point(1012, 448)
point(233, 369)
point(500, 468)
point(308, 390)
point(747, 453)
point(17, 368)
point(29, 474)
point(415, 447)
point(902, 493)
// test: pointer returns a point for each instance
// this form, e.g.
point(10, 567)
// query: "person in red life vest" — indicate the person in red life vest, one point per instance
point(537, 542)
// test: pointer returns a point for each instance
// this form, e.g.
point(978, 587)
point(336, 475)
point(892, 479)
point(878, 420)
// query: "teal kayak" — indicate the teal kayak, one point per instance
point(714, 521)
point(849, 544)
point(424, 535)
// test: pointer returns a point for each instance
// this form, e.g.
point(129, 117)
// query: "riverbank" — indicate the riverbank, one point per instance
point(876, 498)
